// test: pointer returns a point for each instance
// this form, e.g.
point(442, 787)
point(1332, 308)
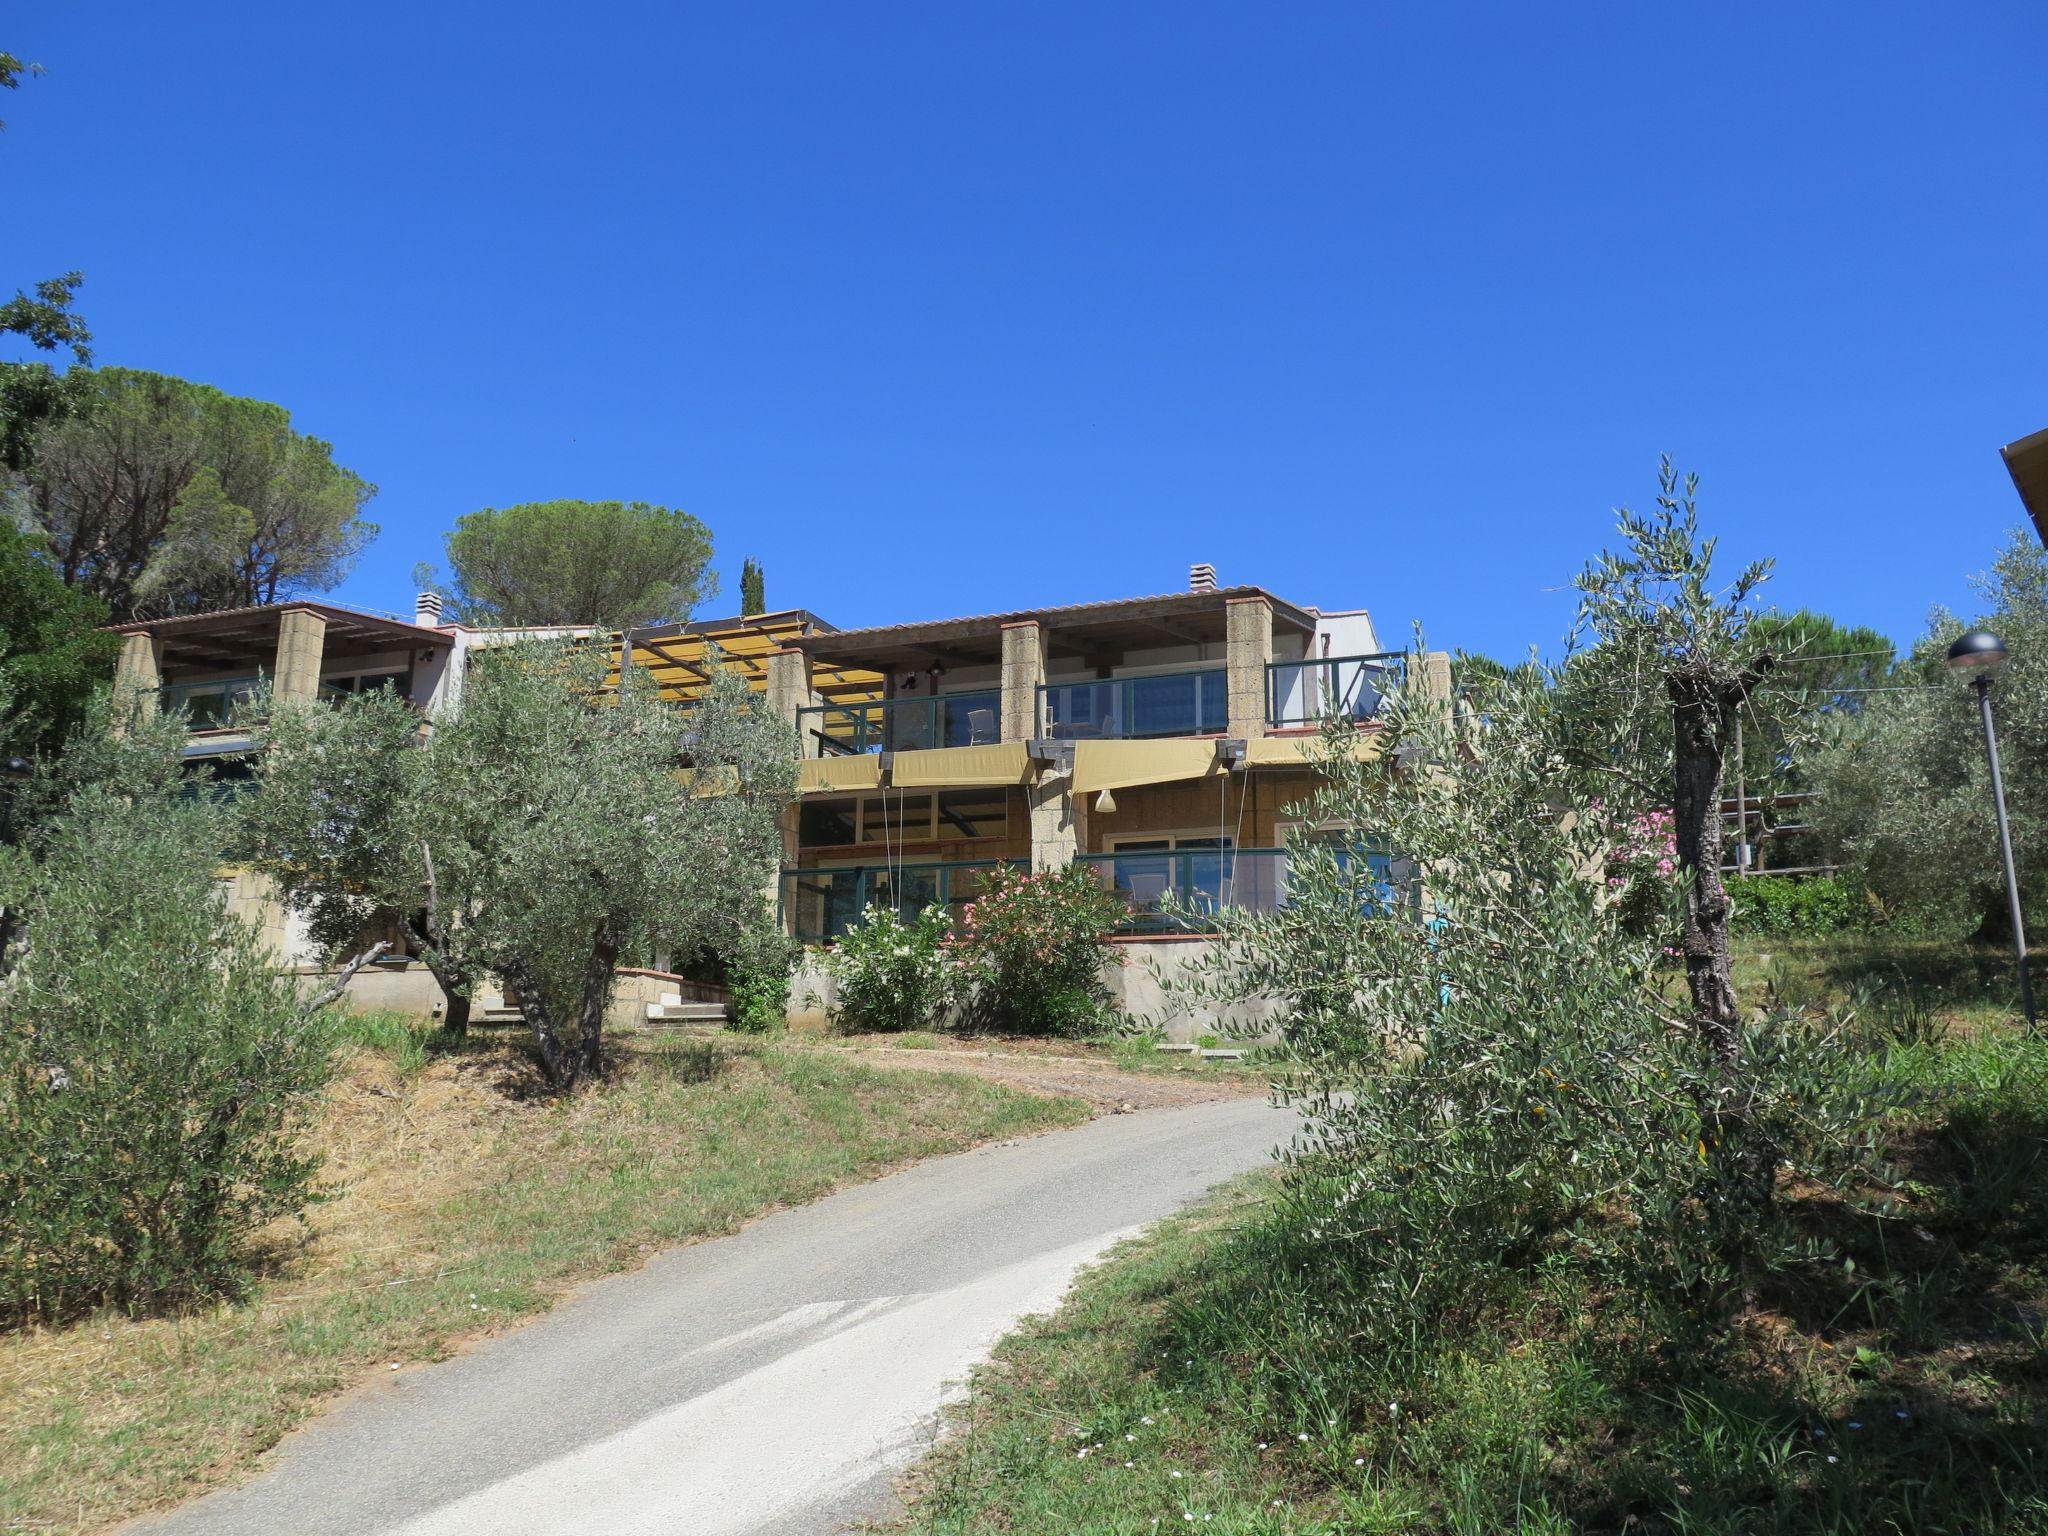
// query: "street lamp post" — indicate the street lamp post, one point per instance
point(1974, 658)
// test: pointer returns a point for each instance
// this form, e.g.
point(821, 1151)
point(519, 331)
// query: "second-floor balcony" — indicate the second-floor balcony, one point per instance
point(1351, 687)
point(1128, 708)
point(902, 725)
point(213, 704)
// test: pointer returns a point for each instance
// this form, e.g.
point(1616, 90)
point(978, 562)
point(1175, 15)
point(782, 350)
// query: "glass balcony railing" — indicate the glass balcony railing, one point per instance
point(1168, 890)
point(819, 905)
point(1352, 687)
point(1162, 704)
point(209, 705)
point(903, 725)
point(212, 704)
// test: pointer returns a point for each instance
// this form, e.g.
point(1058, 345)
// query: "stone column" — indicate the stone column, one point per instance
point(789, 689)
point(138, 676)
point(1023, 672)
point(1249, 647)
point(301, 642)
point(1059, 822)
point(1429, 673)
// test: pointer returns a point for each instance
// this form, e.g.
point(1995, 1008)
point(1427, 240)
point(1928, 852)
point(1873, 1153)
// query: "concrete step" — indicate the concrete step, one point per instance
point(686, 1013)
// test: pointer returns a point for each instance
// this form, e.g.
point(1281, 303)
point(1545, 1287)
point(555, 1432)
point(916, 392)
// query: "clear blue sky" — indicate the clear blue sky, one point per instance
point(945, 308)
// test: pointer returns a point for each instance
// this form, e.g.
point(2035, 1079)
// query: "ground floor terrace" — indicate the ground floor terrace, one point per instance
point(1172, 850)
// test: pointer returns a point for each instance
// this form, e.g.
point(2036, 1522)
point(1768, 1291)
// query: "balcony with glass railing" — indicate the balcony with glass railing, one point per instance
point(212, 704)
point(209, 705)
point(1354, 688)
point(1173, 890)
point(902, 725)
point(1132, 708)
point(818, 905)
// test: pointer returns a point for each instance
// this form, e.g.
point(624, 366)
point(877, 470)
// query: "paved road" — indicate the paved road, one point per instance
point(769, 1383)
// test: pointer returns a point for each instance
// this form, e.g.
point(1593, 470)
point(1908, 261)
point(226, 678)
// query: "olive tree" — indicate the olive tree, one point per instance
point(1666, 635)
point(345, 823)
point(1905, 796)
point(1492, 1075)
point(158, 1069)
point(583, 820)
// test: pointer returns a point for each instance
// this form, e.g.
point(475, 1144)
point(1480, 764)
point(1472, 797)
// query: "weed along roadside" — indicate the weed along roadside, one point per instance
point(455, 1206)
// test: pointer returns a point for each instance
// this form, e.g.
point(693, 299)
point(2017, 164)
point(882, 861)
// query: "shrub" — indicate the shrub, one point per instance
point(891, 974)
point(1786, 906)
point(757, 972)
point(1644, 873)
point(1030, 948)
point(156, 1071)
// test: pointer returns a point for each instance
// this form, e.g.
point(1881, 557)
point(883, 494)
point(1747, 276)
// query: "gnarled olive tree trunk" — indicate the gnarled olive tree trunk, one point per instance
point(1703, 715)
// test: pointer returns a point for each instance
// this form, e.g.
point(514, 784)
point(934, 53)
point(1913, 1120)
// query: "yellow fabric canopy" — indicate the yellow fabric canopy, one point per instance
point(863, 772)
point(1306, 751)
point(957, 767)
point(1124, 764)
point(723, 780)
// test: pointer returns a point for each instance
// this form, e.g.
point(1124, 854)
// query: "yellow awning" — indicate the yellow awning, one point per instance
point(723, 780)
point(1306, 751)
point(863, 772)
point(1124, 764)
point(1002, 763)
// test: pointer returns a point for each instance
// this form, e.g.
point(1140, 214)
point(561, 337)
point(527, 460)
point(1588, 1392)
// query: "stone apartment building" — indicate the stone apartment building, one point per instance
point(1162, 741)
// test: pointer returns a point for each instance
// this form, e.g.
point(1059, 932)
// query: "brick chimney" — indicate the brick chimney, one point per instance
point(426, 610)
point(1202, 578)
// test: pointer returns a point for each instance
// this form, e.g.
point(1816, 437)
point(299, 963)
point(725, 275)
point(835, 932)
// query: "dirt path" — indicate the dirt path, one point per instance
point(1100, 1083)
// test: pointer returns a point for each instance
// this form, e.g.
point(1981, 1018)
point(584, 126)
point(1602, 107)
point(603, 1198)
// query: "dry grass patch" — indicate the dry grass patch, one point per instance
point(455, 1207)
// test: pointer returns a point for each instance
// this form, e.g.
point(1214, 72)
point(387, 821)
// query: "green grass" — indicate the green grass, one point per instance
point(457, 1208)
point(1965, 985)
point(1902, 1388)
point(405, 1038)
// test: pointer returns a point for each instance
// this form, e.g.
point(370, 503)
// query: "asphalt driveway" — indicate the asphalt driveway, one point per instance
point(775, 1381)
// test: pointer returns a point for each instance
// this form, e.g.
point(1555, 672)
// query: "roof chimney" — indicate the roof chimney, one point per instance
point(1202, 578)
point(426, 610)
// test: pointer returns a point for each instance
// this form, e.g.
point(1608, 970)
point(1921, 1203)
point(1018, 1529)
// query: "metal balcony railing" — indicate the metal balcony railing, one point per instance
point(903, 725)
point(821, 904)
point(1158, 704)
point(1351, 687)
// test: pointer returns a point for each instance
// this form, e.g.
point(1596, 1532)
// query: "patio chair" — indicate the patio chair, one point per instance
point(981, 727)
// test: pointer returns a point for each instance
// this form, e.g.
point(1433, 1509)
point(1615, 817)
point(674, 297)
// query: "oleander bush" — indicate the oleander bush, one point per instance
point(1030, 949)
point(891, 973)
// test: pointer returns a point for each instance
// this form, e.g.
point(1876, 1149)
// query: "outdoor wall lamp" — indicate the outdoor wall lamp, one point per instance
point(1973, 658)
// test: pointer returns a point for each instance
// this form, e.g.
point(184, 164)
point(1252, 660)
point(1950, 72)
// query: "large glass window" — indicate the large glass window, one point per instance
point(971, 813)
point(1196, 870)
point(827, 823)
point(953, 816)
point(896, 819)
point(399, 683)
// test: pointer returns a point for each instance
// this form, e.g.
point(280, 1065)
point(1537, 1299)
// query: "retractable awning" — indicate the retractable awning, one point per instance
point(1006, 762)
point(1308, 750)
point(864, 772)
point(1126, 764)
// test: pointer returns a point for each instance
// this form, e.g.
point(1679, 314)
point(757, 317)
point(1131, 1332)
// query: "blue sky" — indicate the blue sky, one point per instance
point(953, 308)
